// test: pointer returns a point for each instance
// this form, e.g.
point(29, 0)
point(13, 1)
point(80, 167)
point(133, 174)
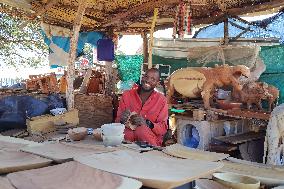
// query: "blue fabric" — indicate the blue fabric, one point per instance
point(274, 27)
point(15, 109)
point(105, 50)
point(64, 42)
point(192, 137)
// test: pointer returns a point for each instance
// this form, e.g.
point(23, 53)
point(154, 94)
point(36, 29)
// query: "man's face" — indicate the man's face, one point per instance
point(150, 80)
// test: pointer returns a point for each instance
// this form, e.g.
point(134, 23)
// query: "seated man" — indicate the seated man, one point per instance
point(150, 111)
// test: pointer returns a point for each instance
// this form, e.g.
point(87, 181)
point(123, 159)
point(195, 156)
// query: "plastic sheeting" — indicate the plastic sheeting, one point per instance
point(58, 40)
point(15, 109)
point(267, 28)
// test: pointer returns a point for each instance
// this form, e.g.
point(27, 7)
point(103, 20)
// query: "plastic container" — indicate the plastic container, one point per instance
point(113, 140)
point(58, 111)
point(236, 181)
point(112, 129)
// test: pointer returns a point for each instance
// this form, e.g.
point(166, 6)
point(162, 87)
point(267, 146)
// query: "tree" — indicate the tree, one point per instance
point(21, 46)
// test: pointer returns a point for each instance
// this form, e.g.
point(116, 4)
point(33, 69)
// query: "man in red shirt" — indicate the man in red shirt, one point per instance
point(150, 108)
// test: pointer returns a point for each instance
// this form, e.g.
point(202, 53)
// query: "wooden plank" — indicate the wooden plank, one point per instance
point(153, 171)
point(46, 123)
point(241, 138)
point(178, 150)
point(73, 53)
point(264, 173)
point(11, 161)
point(5, 183)
point(59, 152)
point(71, 175)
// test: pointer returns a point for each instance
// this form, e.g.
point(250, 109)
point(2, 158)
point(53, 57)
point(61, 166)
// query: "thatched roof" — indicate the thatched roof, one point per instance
point(131, 15)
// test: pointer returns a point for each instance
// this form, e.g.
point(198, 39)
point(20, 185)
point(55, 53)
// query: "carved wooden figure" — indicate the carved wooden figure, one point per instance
point(196, 82)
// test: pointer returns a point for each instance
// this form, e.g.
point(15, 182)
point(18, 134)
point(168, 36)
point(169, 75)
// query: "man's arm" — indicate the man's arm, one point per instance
point(160, 125)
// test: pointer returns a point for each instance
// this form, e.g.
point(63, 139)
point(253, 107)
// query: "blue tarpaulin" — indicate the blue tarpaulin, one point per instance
point(14, 110)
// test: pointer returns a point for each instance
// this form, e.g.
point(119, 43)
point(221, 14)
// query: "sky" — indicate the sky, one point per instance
point(128, 44)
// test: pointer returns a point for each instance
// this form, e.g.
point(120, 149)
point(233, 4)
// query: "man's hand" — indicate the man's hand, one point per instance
point(124, 116)
point(137, 120)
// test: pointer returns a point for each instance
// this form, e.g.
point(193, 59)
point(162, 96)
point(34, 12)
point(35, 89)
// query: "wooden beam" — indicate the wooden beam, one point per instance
point(73, 52)
point(145, 46)
point(143, 8)
point(256, 8)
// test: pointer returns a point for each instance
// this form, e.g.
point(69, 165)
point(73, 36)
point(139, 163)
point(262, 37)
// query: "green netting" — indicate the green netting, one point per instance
point(273, 58)
point(129, 67)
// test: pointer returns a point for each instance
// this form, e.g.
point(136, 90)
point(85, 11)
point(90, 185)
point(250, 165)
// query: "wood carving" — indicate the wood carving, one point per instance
point(63, 83)
point(196, 82)
point(255, 92)
point(44, 83)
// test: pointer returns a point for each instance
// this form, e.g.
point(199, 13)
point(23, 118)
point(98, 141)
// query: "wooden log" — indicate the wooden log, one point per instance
point(73, 53)
point(83, 88)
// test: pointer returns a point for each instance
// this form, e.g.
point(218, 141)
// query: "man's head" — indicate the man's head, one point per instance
point(150, 79)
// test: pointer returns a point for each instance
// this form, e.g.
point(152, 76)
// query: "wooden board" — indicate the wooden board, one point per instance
point(153, 171)
point(60, 152)
point(14, 144)
point(241, 137)
point(5, 183)
point(46, 123)
point(178, 150)
point(11, 161)
point(70, 175)
point(266, 174)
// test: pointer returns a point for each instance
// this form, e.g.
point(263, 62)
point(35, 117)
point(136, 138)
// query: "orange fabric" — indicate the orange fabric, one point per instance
point(155, 109)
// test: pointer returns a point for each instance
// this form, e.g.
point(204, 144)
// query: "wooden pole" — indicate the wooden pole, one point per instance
point(145, 46)
point(156, 11)
point(109, 84)
point(226, 31)
point(73, 52)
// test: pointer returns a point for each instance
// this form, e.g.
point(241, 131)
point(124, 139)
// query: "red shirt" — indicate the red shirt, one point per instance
point(155, 109)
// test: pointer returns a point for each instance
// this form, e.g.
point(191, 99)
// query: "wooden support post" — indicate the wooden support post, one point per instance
point(73, 53)
point(156, 11)
point(109, 78)
point(145, 46)
point(226, 31)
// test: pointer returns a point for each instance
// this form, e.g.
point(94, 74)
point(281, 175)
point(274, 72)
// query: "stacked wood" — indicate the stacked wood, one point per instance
point(94, 110)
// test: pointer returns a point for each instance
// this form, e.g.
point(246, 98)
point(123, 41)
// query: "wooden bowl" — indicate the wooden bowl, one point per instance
point(98, 134)
point(226, 105)
point(236, 181)
point(78, 133)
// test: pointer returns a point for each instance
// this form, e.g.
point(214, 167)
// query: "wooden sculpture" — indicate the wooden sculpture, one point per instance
point(196, 82)
point(255, 92)
point(63, 83)
point(44, 83)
